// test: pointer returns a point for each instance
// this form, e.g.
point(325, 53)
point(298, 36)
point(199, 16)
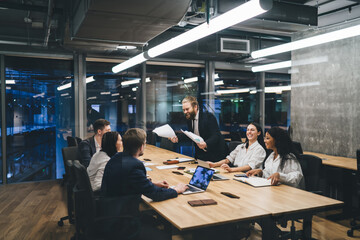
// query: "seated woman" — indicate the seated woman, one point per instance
point(281, 165)
point(111, 143)
point(246, 156)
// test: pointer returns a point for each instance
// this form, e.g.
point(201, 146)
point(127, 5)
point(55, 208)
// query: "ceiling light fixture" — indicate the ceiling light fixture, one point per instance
point(239, 14)
point(308, 42)
point(126, 47)
point(278, 89)
point(65, 86)
point(90, 79)
point(190, 80)
point(231, 91)
point(271, 66)
point(217, 83)
point(135, 81)
point(10, 82)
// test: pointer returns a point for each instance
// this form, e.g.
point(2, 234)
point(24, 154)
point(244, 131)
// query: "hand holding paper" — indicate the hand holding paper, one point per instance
point(165, 131)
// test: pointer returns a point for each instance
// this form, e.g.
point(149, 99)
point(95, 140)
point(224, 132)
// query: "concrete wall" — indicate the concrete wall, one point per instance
point(325, 96)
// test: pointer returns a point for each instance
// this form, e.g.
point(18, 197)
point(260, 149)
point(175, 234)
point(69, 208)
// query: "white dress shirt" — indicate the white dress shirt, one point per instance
point(291, 174)
point(196, 124)
point(254, 156)
point(96, 169)
point(97, 145)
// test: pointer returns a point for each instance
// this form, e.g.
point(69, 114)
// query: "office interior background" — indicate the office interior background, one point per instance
point(56, 74)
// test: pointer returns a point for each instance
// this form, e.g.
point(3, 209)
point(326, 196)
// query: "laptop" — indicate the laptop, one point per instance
point(216, 177)
point(200, 180)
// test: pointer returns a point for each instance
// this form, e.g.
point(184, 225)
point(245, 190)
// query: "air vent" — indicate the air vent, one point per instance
point(232, 45)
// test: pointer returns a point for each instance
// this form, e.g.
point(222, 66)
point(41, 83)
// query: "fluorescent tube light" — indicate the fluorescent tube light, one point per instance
point(92, 98)
point(65, 86)
point(10, 81)
point(115, 94)
point(129, 63)
point(135, 81)
point(190, 80)
point(231, 91)
point(90, 79)
point(239, 14)
point(217, 83)
point(278, 89)
point(271, 66)
point(134, 89)
point(308, 42)
point(64, 94)
point(253, 91)
point(105, 93)
point(126, 47)
point(216, 76)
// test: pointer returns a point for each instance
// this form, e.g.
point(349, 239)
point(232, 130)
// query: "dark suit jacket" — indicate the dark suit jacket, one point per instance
point(87, 149)
point(126, 175)
point(217, 148)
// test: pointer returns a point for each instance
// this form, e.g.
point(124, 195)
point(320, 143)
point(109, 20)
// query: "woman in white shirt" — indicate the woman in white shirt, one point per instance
point(246, 156)
point(111, 143)
point(282, 165)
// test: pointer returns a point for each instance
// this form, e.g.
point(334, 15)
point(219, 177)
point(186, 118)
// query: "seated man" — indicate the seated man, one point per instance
point(92, 145)
point(126, 175)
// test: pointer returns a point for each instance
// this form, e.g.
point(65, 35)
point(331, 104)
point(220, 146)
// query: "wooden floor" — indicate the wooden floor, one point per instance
point(32, 210)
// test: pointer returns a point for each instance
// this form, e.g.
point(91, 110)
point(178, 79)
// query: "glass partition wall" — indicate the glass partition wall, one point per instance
point(39, 117)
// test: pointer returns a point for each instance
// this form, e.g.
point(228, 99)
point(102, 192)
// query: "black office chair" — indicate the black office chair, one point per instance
point(311, 167)
point(167, 144)
point(103, 217)
point(233, 145)
point(353, 224)
point(297, 147)
point(71, 141)
point(78, 140)
point(68, 153)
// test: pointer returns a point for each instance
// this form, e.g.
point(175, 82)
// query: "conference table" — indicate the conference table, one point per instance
point(336, 161)
point(265, 205)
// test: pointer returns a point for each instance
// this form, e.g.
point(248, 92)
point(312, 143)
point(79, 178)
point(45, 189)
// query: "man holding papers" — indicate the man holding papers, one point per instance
point(211, 145)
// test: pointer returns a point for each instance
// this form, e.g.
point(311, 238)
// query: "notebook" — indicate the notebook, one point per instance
point(254, 181)
point(200, 180)
point(216, 177)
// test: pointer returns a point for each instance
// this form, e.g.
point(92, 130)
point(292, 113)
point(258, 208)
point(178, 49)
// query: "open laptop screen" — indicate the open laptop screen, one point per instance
point(201, 177)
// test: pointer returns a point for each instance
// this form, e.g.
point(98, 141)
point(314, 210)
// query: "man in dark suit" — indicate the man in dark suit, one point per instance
point(203, 124)
point(90, 146)
point(125, 175)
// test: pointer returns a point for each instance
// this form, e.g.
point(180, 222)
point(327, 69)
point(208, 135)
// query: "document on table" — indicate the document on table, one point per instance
point(165, 131)
point(192, 136)
point(182, 159)
point(167, 167)
point(254, 181)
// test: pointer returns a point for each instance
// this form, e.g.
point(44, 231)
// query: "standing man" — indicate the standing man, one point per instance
point(92, 145)
point(203, 124)
point(125, 174)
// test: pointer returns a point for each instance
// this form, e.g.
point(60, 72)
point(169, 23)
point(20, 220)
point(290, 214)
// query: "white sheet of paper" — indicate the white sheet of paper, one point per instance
point(192, 136)
point(149, 164)
point(167, 167)
point(165, 131)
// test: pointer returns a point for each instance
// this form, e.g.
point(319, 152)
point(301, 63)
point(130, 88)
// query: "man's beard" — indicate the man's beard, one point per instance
point(191, 115)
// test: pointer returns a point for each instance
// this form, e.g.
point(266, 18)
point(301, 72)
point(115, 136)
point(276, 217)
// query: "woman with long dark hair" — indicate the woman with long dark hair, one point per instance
point(111, 143)
point(246, 156)
point(282, 165)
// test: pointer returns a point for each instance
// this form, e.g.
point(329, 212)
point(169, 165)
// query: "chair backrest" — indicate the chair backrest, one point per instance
point(233, 145)
point(78, 140)
point(104, 217)
point(167, 144)
point(311, 166)
point(69, 153)
point(71, 141)
point(297, 147)
point(85, 210)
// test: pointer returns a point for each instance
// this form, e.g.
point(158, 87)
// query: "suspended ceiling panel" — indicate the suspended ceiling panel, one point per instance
point(135, 21)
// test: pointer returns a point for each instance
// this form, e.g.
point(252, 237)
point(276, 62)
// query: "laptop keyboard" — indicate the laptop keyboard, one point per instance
point(192, 189)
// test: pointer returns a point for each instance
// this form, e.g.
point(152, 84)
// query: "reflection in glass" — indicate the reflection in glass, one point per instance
point(38, 117)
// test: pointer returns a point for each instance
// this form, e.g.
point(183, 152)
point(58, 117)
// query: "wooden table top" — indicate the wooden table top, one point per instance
point(254, 203)
point(335, 161)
